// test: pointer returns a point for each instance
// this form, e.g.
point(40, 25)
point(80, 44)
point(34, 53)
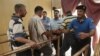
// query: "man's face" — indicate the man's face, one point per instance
point(80, 13)
point(69, 14)
point(23, 12)
point(40, 13)
point(44, 14)
point(56, 14)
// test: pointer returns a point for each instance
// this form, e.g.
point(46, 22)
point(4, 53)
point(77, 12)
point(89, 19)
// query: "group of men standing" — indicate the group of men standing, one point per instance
point(41, 28)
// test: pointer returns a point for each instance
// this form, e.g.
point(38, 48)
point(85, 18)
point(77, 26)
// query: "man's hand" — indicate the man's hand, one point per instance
point(33, 44)
point(48, 33)
point(57, 32)
point(54, 38)
point(83, 35)
point(27, 42)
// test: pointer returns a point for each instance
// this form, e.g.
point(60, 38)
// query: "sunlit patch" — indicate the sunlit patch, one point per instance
point(98, 29)
point(96, 1)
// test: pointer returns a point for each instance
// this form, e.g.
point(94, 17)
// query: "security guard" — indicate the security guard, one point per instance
point(83, 30)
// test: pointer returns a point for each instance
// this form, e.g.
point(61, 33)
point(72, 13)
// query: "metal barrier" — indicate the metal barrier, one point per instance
point(5, 41)
point(25, 47)
point(82, 50)
point(20, 49)
point(4, 34)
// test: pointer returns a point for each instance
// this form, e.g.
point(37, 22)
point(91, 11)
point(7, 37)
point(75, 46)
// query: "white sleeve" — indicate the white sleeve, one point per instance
point(40, 27)
point(17, 28)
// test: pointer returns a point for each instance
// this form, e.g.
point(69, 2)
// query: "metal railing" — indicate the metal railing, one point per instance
point(25, 47)
point(84, 49)
point(20, 49)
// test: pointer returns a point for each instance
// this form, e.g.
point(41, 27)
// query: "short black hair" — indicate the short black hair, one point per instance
point(44, 12)
point(82, 7)
point(69, 13)
point(38, 8)
point(56, 11)
point(18, 6)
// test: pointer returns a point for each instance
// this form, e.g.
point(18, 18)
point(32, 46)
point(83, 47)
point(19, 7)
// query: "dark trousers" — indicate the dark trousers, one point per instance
point(25, 53)
point(79, 44)
point(76, 44)
point(55, 42)
point(46, 50)
point(66, 43)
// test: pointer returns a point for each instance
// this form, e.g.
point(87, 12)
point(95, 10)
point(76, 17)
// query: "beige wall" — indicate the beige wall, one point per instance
point(6, 10)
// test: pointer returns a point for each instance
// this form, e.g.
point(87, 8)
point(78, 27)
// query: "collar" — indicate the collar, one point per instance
point(44, 18)
point(82, 20)
point(17, 17)
point(38, 17)
point(56, 19)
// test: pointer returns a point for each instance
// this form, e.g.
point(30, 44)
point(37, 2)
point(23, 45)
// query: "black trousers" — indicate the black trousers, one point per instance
point(25, 53)
point(46, 50)
point(75, 43)
point(55, 42)
point(66, 43)
point(79, 44)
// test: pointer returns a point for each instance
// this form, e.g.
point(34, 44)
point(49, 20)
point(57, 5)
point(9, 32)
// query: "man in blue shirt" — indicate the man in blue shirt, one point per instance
point(46, 21)
point(83, 30)
point(55, 26)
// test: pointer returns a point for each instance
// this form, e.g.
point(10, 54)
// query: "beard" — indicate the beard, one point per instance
point(22, 15)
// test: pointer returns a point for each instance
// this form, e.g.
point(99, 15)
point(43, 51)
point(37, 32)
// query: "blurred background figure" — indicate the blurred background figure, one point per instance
point(55, 25)
point(46, 21)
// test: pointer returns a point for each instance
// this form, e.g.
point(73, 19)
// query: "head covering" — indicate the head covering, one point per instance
point(82, 7)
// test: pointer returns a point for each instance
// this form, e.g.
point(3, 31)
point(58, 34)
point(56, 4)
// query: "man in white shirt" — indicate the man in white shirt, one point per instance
point(38, 33)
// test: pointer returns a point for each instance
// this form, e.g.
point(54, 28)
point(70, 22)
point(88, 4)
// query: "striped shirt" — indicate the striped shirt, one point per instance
point(16, 28)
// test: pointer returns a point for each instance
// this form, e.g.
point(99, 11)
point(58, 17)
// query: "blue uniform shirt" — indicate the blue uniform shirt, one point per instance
point(85, 26)
point(56, 24)
point(46, 23)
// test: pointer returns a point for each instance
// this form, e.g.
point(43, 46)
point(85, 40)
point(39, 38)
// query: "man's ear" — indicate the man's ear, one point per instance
point(20, 10)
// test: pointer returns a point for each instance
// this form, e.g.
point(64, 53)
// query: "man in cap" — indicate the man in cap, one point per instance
point(83, 30)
